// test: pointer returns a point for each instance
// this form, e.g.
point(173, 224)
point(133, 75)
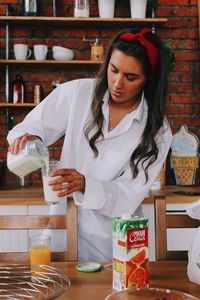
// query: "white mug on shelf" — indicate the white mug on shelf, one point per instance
point(106, 8)
point(40, 52)
point(138, 8)
point(21, 51)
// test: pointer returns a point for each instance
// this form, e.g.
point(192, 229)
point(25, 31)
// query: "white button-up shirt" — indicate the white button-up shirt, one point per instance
point(110, 189)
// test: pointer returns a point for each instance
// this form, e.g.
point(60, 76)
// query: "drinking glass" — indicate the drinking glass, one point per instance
point(40, 251)
point(50, 196)
point(81, 8)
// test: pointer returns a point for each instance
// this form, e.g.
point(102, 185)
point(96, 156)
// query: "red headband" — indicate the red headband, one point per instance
point(152, 51)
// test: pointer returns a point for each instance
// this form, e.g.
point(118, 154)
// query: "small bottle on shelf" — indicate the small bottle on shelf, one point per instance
point(18, 89)
point(37, 93)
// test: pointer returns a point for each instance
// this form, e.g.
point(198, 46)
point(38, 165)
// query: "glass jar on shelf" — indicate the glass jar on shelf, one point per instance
point(30, 8)
point(81, 8)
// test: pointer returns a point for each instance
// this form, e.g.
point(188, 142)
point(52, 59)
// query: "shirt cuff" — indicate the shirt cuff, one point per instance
point(78, 198)
point(93, 198)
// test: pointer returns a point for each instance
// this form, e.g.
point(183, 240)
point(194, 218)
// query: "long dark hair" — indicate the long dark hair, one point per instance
point(155, 91)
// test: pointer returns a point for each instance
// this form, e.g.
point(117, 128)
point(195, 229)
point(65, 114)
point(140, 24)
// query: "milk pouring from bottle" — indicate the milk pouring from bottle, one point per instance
point(28, 159)
point(32, 157)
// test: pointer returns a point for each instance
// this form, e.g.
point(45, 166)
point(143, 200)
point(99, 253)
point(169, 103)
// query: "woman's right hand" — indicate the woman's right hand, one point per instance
point(20, 142)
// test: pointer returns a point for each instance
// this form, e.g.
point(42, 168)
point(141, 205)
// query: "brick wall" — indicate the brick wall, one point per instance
point(181, 32)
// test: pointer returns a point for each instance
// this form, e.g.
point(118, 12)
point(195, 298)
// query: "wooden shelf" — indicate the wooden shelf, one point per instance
point(4, 104)
point(22, 196)
point(49, 62)
point(81, 21)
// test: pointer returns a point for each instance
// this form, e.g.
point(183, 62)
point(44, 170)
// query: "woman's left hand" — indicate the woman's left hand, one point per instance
point(70, 181)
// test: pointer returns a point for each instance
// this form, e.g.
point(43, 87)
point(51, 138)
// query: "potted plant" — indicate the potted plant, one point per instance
point(170, 56)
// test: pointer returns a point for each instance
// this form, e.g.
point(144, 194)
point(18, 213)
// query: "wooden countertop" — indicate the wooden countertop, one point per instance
point(170, 275)
point(22, 196)
point(98, 285)
point(34, 195)
point(171, 197)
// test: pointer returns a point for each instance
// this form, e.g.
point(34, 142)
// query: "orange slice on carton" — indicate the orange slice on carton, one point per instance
point(130, 267)
point(139, 258)
point(138, 278)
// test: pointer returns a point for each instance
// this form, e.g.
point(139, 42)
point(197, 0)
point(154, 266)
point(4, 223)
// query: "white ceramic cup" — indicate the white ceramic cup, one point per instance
point(40, 52)
point(21, 51)
point(138, 8)
point(106, 8)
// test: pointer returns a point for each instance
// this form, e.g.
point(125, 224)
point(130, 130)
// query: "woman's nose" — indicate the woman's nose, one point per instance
point(118, 82)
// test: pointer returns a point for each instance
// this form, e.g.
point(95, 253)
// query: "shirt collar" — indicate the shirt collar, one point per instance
point(137, 114)
point(125, 124)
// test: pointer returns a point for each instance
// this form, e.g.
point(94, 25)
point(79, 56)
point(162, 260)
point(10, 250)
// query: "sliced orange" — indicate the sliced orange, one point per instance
point(138, 277)
point(139, 258)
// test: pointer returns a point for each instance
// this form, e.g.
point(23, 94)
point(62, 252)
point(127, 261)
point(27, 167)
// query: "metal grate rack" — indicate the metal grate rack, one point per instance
point(42, 282)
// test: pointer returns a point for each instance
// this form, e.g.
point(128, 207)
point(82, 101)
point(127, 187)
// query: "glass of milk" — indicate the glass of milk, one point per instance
point(50, 196)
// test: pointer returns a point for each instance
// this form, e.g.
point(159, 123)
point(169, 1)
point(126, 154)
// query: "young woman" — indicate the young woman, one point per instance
point(116, 136)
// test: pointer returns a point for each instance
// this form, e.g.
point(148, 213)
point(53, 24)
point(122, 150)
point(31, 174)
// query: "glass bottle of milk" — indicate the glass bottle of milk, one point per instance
point(29, 159)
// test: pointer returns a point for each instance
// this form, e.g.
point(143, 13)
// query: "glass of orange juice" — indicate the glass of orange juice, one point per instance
point(40, 251)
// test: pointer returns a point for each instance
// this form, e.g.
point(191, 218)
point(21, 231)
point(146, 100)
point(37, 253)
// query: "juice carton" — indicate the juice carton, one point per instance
point(130, 252)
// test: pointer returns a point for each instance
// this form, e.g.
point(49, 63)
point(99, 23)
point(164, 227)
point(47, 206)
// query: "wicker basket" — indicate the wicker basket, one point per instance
point(184, 169)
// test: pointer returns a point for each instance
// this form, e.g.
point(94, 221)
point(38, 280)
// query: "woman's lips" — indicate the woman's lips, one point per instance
point(116, 93)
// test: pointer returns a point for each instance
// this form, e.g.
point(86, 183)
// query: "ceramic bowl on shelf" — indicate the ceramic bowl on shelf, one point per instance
point(60, 48)
point(62, 53)
point(62, 56)
point(150, 294)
